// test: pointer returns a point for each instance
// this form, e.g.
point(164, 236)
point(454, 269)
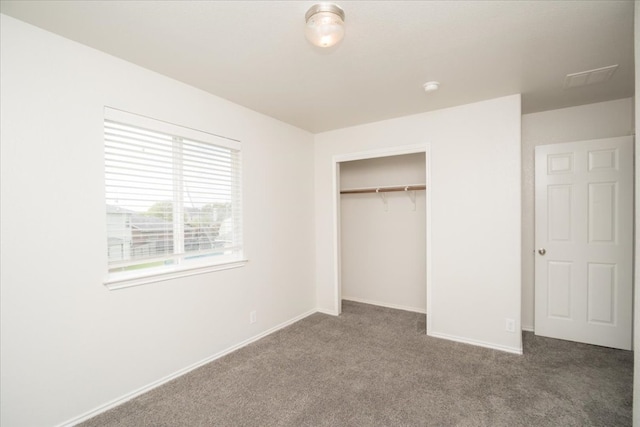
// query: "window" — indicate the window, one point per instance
point(173, 202)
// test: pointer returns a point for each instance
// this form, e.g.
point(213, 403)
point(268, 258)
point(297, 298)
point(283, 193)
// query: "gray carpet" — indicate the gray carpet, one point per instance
point(374, 366)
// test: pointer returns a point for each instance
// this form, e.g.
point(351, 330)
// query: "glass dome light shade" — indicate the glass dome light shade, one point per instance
point(325, 25)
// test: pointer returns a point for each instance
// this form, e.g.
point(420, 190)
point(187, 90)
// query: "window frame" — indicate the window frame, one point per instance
point(184, 267)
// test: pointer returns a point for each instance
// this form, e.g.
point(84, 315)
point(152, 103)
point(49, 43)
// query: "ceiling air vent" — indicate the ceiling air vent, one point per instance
point(590, 77)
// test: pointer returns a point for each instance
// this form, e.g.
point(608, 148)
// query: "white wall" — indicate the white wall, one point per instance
point(636, 324)
point(593, 121)
point(69, 345)
point(475, 214)
point(383, 251)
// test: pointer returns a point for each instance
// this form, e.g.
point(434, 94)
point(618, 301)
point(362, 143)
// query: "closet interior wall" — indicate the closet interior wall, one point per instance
point(382, 235)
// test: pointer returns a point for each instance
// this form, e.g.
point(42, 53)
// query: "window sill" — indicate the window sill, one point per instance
point(126, 281)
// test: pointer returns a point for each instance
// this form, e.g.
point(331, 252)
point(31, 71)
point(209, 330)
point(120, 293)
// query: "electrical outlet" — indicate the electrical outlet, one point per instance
point(510, 325)
point(252, 317)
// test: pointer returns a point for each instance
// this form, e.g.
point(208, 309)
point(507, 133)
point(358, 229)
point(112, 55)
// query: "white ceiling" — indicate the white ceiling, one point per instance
point(254, 52)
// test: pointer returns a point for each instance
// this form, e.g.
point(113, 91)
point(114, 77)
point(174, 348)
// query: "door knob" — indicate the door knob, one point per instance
point(542, 251)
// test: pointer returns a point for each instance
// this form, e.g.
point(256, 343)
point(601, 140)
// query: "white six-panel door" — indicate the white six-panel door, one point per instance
point(584, 228)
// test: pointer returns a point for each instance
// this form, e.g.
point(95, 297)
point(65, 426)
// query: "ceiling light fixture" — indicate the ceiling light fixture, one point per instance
point(325, 24)
point(431, 86)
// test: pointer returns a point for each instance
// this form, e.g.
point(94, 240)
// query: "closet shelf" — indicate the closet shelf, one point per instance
point(412, 187)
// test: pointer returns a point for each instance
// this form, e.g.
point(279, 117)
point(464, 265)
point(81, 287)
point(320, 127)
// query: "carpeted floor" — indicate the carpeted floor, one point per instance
point(374, 366)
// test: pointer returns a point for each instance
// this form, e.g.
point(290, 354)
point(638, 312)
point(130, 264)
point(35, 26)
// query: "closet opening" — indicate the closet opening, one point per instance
point(382, 228)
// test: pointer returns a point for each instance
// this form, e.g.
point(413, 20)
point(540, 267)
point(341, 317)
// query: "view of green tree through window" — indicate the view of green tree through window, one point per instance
point(172, 201)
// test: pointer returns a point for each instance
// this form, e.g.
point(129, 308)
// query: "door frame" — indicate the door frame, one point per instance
point(372, 154)
point(634, 189)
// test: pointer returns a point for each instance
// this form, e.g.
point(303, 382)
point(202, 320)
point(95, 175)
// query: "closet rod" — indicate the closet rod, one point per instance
point(385, 189)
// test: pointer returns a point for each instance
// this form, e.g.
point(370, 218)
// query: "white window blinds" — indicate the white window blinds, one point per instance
point(173, 196)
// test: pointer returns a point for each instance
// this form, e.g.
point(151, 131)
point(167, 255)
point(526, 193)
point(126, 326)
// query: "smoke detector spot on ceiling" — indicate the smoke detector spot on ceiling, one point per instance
point(431, 86)
point(590, 77)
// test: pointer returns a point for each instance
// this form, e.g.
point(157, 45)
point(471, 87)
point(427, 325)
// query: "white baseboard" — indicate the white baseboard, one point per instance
point(102, 408)
point(508, 349)
point(384, 304)
point(528, 328)
point(329, 312)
